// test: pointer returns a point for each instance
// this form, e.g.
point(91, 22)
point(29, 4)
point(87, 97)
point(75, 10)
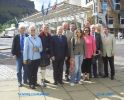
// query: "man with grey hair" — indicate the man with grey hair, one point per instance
point(69, 34)
point(59, 53)
point(17, 52)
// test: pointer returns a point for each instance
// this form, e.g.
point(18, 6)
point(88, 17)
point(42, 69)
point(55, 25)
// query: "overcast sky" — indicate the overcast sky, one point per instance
point(38, 3)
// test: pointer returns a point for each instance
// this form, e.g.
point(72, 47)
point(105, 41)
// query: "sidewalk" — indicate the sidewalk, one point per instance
point(96, 89)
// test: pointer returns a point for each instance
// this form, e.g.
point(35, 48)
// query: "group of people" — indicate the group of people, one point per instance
point(85, 51)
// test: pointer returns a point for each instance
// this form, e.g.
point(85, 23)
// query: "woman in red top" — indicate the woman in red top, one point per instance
point(90, 51)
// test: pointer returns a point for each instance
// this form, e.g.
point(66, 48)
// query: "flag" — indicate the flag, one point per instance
point(54, 6)
point(16, 22)
point(48, 8)
point(42, 9)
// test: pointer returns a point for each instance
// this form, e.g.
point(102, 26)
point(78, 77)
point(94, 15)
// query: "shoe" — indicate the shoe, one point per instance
point(37, 84)
point(112, 77)
point(60, 84)
point(26, 83)
point(32, 86)
point(20, 85)
point(43, 84)
point(46, 81)
point(72, 84)
point(55, 83)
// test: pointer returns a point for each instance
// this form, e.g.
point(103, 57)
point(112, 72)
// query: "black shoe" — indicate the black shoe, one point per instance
point(105, 76)
point(32, 86)
point(20, 85)
point(112, 77)
point(46, 81)
point(26, 83)
point(55, 83)
point(37, 84)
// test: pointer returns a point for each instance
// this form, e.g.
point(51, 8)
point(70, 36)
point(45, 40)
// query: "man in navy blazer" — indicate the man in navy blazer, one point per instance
point(59, 53)
point(17, 52)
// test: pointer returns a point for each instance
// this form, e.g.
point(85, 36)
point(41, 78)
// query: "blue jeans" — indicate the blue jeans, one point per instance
point(19, 66)
point(76, 75)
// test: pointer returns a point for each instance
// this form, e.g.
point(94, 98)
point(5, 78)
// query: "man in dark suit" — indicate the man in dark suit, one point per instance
point(59, 53)
point(98, 40)
point(17, 51)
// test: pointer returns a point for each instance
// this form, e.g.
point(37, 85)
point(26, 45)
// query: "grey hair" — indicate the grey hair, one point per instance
point(21, 25)
point(31, 26)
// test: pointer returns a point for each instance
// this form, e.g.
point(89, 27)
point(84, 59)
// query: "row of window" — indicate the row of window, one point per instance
point(87, 1)
point(110, 20)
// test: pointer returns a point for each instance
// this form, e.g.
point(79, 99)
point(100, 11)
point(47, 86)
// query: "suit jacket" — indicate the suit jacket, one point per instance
point(108, 45)
point(46, 53)
point(98, 41)
point(69, 36)
point(59, 48)
point(16, 48)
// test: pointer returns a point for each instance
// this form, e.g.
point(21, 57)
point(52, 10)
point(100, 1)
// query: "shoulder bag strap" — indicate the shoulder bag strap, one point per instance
point(33, 46)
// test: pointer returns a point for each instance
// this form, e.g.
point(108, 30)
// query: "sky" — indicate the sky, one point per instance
point(38, 3)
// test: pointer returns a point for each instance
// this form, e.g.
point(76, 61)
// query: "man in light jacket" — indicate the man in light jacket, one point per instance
point(108, 41)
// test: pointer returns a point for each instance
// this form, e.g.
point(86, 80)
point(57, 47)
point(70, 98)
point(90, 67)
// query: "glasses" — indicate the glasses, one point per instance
point(32, 30)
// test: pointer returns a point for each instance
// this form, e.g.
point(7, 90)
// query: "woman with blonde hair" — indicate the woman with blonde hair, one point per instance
point(31, 55)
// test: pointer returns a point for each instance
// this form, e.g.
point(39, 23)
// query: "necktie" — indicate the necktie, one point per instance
point(60, 38)
point(22, 42)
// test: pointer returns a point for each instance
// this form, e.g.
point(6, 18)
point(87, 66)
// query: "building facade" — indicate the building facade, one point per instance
point(109, 12)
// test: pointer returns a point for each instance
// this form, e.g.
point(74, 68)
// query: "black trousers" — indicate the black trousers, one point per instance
point(33, 69)
point(94, 63)
point(58, 70)
point(67, 67)
point(86, 65)
point(111, 63)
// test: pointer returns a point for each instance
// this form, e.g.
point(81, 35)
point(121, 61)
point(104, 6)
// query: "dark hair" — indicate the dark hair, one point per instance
point(78, 30)
point(87, 28)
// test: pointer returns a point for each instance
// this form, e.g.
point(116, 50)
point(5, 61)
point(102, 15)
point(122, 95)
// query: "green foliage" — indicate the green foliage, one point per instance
point(9, 9)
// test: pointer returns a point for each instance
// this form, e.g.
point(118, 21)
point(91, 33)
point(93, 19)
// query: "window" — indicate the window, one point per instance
point(117, 1)
point(122, 21)
point(87, 1)
point(117, 7)
point(110, 20)
point(104, 6)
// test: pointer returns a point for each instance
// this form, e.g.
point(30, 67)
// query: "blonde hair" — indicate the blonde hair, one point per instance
point(99, 28)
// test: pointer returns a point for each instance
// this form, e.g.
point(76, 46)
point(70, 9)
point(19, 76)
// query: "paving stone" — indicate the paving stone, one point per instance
point(82, 95)
point(11, 95)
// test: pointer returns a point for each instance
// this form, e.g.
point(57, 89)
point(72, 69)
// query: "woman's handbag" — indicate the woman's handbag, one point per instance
point(28, 61)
